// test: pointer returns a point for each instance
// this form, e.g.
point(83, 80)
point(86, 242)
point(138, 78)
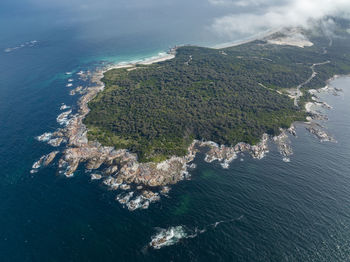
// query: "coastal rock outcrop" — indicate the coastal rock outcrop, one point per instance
point(45, 160)
point(226, 155)
point(319, 132)
point(284, 144)
point(313, 125)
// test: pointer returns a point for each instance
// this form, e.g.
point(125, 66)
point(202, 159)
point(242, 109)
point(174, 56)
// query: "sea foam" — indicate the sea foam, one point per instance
point(167, 237)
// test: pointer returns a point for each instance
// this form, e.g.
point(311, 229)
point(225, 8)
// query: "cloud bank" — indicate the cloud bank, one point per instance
point(246, 3)
point(279, 14)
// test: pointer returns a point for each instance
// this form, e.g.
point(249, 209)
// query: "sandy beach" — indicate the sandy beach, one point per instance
point(148, 61)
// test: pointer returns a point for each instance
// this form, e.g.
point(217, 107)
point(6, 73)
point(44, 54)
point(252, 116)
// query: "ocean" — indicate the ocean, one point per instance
point(257, 210)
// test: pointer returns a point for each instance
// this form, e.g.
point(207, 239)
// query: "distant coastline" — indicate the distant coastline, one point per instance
point(247, 40)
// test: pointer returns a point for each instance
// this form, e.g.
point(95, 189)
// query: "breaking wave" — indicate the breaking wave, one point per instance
point(168, 237)
point(172, 235)
point(26, 44)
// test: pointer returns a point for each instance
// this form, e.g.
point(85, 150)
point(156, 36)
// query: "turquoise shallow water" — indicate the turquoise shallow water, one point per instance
point(271, 210)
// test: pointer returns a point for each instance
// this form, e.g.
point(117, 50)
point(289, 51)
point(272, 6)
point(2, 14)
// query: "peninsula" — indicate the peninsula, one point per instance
point(140, 128)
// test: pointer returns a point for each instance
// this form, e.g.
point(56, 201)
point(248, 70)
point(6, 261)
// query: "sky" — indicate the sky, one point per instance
point(207, 19)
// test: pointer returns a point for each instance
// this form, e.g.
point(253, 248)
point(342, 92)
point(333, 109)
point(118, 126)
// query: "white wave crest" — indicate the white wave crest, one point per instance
point(62, 119)
point(44, 137)
point(168, 237)
point(26, 44)
point(172, 235)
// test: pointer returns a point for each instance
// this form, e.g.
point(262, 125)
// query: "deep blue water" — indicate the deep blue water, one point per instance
point(272, 211)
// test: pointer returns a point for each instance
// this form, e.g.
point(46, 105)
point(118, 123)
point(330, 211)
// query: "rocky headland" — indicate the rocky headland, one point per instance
point(316, 116)
point(141, 184)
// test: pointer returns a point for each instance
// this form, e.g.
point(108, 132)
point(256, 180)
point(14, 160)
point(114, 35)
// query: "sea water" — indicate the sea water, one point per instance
point(256, 210)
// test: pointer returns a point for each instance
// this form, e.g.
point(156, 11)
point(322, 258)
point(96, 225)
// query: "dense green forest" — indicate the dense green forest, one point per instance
point(224, 95)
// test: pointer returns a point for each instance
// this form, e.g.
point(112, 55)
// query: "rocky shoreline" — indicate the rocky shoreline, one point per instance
point(225, 155)
point(313, 121)
point(141, 183)
point(119, 169)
